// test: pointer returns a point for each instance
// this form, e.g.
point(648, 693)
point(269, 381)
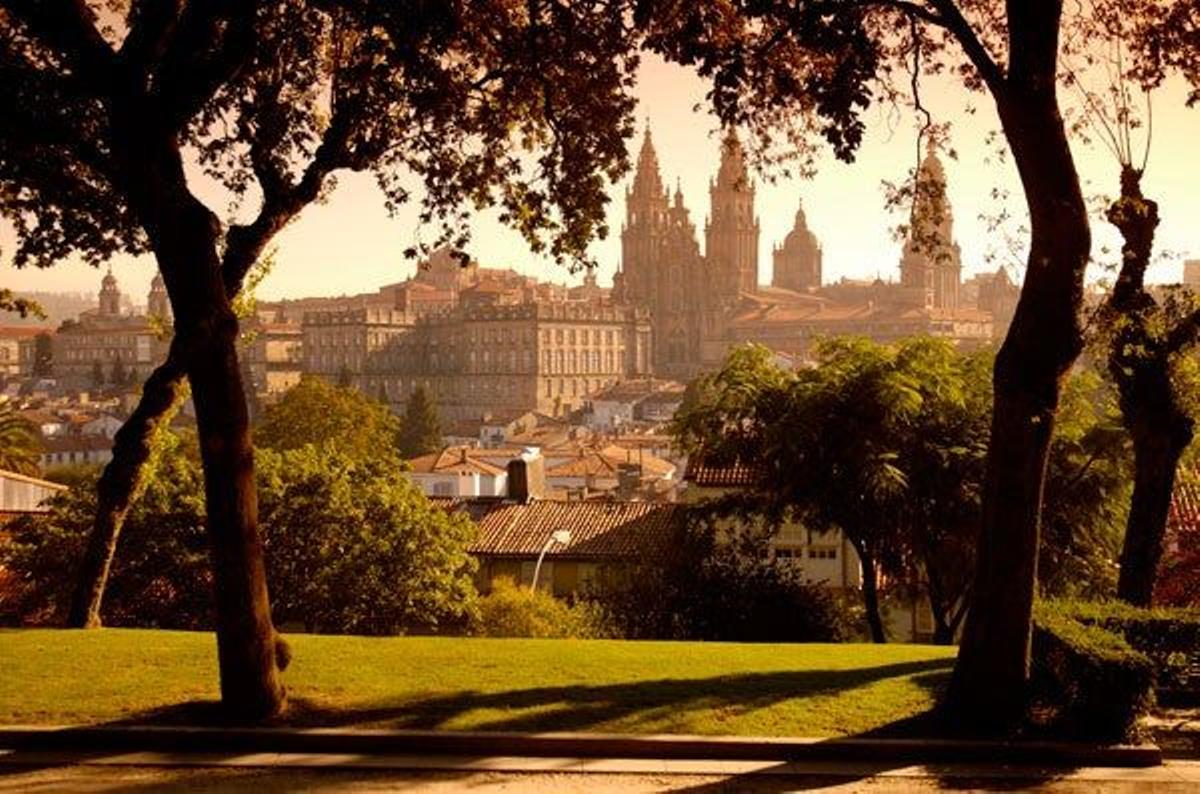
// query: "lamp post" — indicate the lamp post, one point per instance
point(561, 536)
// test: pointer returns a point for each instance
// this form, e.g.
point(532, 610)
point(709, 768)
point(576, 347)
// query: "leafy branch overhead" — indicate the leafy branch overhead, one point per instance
point(521, 107)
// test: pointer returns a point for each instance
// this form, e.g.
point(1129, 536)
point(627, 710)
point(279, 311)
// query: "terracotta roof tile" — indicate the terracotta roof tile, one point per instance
point(599, 530)
point(706, 475)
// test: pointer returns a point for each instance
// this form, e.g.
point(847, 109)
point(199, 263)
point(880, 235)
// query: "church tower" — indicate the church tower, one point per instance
point(731, 236)
point(642, 236)
point(110, 296)
point(157, 302)
point(661, 267)
point(798, 260)
point(932, 260)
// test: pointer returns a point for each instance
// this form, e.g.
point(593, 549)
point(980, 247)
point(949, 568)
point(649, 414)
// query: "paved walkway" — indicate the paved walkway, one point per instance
point(265, 773)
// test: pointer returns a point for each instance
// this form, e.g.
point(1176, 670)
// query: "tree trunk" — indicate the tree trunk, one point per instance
point(870, 590)
point(120, 485)
point(1139, 361)
point(987, 693)
point(1157, 448)
point(184, 235)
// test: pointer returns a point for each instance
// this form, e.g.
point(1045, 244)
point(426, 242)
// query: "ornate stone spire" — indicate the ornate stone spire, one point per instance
point(647, 182)
point(732, 174)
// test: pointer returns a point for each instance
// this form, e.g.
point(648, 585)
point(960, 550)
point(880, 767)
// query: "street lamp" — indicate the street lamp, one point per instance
point(560, 536)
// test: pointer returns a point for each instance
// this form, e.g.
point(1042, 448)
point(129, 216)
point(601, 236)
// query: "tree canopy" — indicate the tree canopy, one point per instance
point(887, 443)
point(316, 412)
point(421, 429)
point(20, 446)
point(352, 546)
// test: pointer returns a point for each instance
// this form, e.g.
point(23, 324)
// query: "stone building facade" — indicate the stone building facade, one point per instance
point(517, 349)
point(109, 339)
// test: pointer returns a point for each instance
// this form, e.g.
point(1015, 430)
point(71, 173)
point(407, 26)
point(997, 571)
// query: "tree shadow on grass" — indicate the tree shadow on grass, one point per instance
point(639, 705)
point(582, 707)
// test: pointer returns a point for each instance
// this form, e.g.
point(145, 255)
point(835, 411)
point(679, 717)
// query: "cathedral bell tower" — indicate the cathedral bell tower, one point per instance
point(731, 235)
point(110, 296)
point(157, 302)
point(932, 260)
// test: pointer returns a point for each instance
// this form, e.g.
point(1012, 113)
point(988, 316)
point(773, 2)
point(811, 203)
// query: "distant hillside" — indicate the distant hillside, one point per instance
point(58, 306)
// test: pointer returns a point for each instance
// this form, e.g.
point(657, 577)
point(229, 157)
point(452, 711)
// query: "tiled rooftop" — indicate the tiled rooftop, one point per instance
point(599, 530)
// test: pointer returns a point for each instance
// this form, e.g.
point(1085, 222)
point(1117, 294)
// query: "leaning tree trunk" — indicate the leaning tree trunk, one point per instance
point(988, 689)
point(120, 485)
point(184, 236)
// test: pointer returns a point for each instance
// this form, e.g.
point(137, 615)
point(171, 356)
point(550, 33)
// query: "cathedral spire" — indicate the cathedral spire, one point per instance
point(732, 174)
point(647, 182)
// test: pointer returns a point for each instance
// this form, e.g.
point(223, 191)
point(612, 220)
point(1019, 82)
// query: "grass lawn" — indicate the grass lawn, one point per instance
point(58, 676)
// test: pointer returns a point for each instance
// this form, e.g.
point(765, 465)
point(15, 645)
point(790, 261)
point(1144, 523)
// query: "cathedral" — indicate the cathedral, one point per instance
point(701, 303)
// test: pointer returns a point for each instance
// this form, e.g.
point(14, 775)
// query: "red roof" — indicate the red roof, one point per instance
point(599, 530)
point(734, 475)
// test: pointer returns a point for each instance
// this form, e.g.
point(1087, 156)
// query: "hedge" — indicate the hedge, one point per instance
point(1096, 683)
point(1169, 636)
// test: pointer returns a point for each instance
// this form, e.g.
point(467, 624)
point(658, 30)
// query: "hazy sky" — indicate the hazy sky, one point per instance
point(351, 245)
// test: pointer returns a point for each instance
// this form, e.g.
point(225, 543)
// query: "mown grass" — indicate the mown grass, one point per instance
point(72, 677)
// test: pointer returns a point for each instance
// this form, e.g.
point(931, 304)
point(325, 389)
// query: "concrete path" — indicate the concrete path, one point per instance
point(264, 773)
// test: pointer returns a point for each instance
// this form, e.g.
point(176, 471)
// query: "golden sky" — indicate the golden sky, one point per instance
point(350, 244)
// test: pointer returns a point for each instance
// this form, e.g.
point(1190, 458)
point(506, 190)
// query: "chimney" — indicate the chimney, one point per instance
point(527, 476)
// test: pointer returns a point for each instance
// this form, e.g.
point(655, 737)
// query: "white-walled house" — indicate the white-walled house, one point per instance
point(458, 471)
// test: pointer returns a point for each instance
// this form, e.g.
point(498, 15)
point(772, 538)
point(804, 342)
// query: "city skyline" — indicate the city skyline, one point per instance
point(349, 245)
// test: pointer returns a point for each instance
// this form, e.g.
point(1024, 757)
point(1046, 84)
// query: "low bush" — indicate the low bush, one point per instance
point(1096, 684)
point(1170, 637)
point(510, 610)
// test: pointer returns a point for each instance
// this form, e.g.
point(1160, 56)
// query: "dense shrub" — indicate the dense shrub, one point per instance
point(1094, 682)
point(721, 585)
point(513, 611)
point(1170, 637)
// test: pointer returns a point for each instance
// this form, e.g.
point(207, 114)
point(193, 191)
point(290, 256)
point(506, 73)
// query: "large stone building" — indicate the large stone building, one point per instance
point(481, 341)
point(702, 304)
point(109, 340)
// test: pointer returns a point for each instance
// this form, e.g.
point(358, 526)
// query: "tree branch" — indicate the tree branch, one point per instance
point(981, 59)
point(152, 23)
point(69, 28)
point(212, 43)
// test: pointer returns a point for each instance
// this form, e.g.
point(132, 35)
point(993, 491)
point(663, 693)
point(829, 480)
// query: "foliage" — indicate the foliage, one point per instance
point(720, 584)
point(117, 375)
point(1087, 492)
point(98, 379)
point(421, 430)
point(318, 413)
point(20, 445)
point(1097, 685)
point(876, 441)
point(888, 442)
point(1170, 638)
point(43, 355)
point(353, 546)
point(510, 610)
point(160, 575)
point(22, 307)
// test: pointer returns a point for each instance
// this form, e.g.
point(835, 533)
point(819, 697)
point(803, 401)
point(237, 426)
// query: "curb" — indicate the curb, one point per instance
point(580, 745)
